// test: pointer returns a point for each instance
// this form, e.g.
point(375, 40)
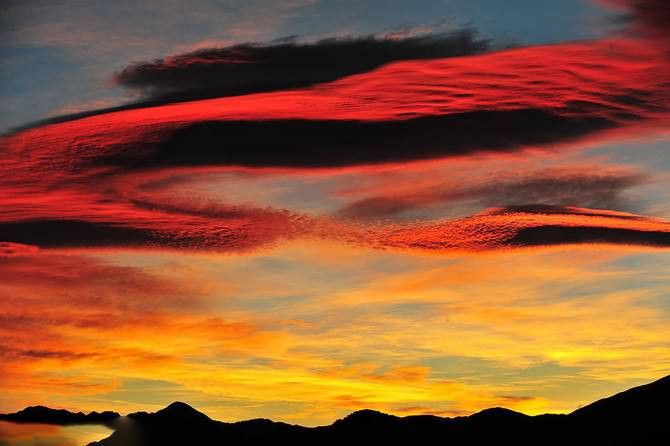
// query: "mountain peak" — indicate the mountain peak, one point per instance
point(178, 409)
point(499, 412)
point(366, 416)
point(178, 405)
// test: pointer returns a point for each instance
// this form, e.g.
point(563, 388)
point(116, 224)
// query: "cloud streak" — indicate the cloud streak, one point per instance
point(498, 102)
point(505, 228)
point(499, 228)
point(567, 186)
point(245, 68)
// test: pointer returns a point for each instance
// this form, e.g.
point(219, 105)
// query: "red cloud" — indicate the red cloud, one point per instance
point(9, 249)
point(518, 227)
point(83, 182)
point(501, 101)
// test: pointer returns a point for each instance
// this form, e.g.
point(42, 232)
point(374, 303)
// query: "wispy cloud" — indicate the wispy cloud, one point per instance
point(581, 186)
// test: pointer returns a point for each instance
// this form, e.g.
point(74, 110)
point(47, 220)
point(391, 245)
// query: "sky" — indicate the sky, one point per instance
point(298, 209)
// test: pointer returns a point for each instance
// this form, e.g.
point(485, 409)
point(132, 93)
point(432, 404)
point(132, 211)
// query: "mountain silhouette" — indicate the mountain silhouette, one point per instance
point(41, 414)
point(176, 411)
point(638, 416)
point(648, 402)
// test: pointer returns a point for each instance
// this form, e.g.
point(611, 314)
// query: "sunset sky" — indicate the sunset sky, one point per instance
point(297, 209)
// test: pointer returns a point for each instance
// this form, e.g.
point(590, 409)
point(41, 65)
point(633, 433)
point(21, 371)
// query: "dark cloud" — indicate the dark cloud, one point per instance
point(559, 188)
point(592, 189)
point(571, 234)
point(152, 225)
point(74, 233)
point(654, 15)
point(333, 143)
point(256, 67)
point(13, 354)
point(648, 18)
point(563, 235)
point(282, 64)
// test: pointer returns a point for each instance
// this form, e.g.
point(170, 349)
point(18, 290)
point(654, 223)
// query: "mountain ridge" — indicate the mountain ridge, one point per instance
point(47, 415)
point(635, 416)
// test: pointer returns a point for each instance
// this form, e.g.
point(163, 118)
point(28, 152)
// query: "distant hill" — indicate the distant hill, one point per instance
point(638, 416)
point(41, 414)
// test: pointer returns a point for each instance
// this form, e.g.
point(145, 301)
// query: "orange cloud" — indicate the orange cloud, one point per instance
point(366, 344)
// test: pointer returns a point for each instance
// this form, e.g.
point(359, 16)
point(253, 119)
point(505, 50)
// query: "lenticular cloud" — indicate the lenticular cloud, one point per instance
point(82, 182)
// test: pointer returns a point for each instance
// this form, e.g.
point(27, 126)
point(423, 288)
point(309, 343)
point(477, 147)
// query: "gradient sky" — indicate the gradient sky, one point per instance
point(297, 209)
